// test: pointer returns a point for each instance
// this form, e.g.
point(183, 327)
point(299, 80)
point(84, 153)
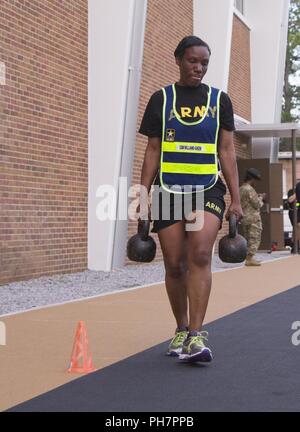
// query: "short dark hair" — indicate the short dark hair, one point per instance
point(188, 42)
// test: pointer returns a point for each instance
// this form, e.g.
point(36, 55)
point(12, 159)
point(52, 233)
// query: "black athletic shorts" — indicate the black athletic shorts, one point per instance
point(213, 202)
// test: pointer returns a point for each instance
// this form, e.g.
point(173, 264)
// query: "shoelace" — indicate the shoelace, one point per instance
point(180, 337)
point(203, 334)
point(199, 338)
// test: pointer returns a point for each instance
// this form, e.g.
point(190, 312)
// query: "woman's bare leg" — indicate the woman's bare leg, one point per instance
point(200, 244)
point(173, 243)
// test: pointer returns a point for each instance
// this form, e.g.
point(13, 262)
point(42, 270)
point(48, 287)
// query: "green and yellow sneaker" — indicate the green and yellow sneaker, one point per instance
point(176, 343)
point(194, 350)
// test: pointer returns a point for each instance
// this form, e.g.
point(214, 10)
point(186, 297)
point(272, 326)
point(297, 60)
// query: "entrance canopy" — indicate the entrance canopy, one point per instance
point(276, 130)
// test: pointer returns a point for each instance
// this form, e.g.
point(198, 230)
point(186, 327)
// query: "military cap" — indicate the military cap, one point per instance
point(254, 173)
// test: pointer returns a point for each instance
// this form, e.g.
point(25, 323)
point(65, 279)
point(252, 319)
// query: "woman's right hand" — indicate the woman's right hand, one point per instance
point(236, 209)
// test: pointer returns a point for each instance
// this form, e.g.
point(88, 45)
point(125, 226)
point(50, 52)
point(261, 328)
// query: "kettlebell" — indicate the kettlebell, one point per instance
point(233, 247)
point(141, 247)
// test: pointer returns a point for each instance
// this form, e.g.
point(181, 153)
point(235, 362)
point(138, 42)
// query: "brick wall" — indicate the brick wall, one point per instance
point(239, 84)
point(43, 183)
point(168, 21)
point(242, 151)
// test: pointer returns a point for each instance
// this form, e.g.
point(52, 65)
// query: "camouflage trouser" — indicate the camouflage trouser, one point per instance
point(252, 233)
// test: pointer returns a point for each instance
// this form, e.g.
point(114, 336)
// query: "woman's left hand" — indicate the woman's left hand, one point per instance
point(236, 209)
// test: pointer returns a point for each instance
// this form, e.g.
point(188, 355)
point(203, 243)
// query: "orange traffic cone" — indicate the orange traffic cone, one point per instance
point(80, 352)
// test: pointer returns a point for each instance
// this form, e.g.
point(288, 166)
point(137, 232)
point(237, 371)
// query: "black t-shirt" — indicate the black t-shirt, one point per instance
point(186, 97)
point(298, 192)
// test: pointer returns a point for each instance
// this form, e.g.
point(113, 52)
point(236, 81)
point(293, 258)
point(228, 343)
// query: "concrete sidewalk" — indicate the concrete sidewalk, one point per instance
point(49, 290)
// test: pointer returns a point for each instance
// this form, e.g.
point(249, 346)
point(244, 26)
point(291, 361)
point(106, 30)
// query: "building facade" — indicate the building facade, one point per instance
point(75, 79)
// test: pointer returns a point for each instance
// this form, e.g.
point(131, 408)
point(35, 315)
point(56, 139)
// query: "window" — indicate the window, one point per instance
point(240, 5)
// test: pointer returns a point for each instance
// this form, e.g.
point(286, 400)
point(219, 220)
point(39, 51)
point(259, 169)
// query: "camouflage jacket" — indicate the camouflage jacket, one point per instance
point(251, 204)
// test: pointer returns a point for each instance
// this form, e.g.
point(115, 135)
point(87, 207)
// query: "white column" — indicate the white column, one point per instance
point(110, 36)
point(130, 126)
point(213, 24)
point(268, 52)
point(268, 44)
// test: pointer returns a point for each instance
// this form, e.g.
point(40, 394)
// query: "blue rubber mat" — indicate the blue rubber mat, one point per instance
point(256, 367)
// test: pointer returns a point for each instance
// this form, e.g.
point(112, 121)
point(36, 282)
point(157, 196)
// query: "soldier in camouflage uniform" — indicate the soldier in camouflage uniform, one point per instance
point(251, 225)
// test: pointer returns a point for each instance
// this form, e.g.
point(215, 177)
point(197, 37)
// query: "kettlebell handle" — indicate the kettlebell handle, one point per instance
point(232, 225)
point(143, 229)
